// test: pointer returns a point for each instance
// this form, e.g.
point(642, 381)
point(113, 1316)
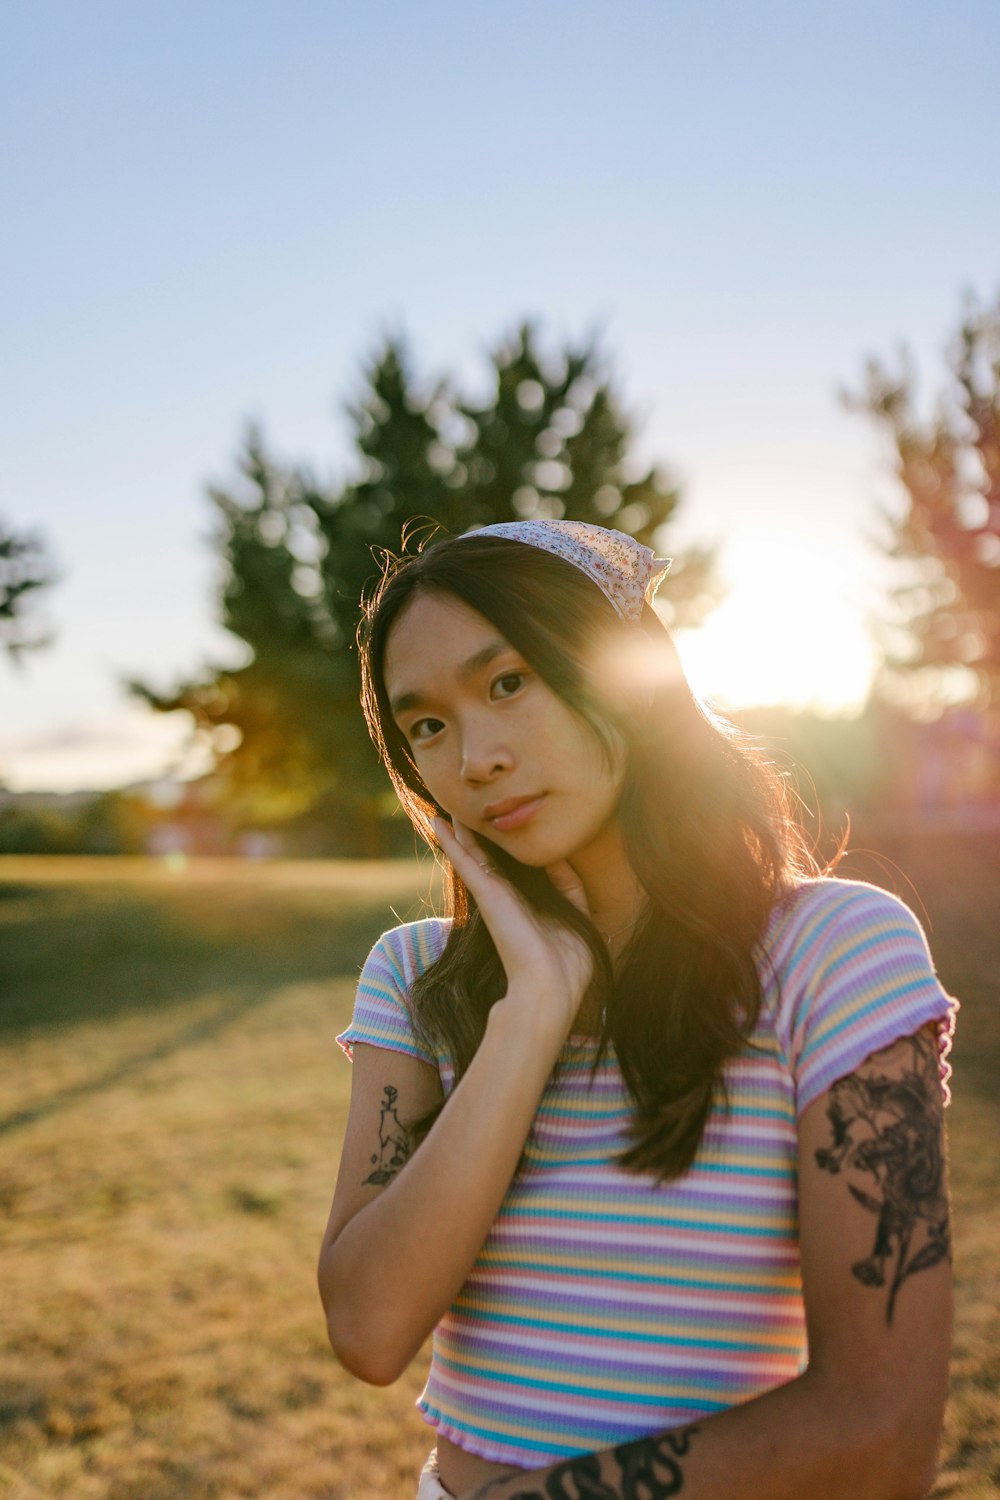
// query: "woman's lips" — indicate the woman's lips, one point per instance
point(517, 814)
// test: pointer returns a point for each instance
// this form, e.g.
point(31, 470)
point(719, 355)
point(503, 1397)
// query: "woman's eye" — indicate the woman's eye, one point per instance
point(424, 729)
point(509, 683)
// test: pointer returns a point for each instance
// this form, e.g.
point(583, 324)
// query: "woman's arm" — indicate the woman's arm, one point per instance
point(401, 1241)
point(402, 1237)
point(863, 1422)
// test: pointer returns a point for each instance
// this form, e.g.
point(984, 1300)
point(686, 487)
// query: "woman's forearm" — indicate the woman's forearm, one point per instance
point(810, 1438)
point(398, 1264)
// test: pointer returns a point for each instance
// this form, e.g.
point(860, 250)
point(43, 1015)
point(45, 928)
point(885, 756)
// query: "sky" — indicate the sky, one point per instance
point(214, 213)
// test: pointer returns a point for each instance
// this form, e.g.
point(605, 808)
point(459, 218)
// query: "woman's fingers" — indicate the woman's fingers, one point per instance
point(502, 906)
point(470, 843)
point(538, 957)
point(464, 851)
point(473, 862)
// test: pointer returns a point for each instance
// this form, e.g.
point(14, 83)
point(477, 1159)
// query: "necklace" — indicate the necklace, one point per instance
point(609, 937)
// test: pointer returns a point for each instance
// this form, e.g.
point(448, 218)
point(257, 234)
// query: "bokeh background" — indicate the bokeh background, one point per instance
point(281, 285)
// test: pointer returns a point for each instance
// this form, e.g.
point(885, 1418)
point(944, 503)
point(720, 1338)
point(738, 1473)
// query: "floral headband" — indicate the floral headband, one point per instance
point(624, 570)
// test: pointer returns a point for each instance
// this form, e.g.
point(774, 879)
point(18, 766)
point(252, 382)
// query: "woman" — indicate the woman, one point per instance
point(649, 1131)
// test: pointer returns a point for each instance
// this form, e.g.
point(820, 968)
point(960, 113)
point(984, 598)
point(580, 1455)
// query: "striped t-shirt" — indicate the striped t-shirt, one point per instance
point(604, 1306)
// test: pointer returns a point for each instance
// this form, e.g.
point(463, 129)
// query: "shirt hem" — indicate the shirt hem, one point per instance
point(532, 1458)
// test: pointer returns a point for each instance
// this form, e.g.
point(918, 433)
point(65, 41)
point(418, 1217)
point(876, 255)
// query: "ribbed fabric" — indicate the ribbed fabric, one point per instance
point(603, 1306)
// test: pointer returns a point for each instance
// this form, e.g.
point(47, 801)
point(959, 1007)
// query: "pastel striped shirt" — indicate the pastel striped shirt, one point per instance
point(604, 1306)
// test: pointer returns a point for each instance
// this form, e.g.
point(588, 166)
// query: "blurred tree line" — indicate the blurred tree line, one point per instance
point(109, 823)
point(549, 440)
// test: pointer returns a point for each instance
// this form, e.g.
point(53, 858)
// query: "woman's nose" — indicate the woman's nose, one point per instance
point(483, 757)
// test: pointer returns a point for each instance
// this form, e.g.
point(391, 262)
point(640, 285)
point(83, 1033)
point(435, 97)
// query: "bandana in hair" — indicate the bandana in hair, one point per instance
point(624, 570)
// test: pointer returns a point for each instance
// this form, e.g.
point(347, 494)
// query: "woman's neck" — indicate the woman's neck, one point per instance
point(615, 898)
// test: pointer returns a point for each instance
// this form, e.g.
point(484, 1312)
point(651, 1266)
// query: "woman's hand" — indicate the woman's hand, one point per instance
point(542, 959)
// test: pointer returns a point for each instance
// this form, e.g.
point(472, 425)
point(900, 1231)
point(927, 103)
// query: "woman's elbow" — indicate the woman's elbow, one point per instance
point(361, 1354)
point(376, 1331)
point(356, 1341)
point(361, 1361)
point(914, 1459)
point(886, 1437)
point(904, 1452)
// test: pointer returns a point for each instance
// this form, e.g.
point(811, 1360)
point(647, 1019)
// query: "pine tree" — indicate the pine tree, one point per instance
point(298, 553)
point(944, 626)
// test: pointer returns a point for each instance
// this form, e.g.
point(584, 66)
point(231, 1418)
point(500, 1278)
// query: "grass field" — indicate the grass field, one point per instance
point(171, 1102)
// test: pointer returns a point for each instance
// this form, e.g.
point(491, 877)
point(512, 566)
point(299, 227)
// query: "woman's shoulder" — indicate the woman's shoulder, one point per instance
point(843, 930)
point(382, 1014)
point(847, 971)
point(827, 904)
point(411, 947)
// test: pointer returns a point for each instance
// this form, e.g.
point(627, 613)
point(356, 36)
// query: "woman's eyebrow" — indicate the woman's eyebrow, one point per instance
point(468, 668)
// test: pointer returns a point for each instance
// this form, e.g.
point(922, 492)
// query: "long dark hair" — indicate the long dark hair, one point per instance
point(706, 823)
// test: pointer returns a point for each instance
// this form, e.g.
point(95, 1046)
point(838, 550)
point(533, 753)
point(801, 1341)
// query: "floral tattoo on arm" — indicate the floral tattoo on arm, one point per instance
point(395, 1144)
point(886, 1124)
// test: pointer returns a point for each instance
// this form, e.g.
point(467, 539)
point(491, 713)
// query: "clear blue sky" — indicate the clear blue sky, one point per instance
point(211, 211)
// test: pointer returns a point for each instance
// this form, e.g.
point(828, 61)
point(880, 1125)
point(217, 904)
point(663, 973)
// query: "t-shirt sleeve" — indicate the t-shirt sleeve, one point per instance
point(382, 1015)
point(856, 976)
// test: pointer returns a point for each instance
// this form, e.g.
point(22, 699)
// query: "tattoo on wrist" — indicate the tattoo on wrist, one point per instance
point(886, 1122)
point(648, 1469)
point(395, 1144)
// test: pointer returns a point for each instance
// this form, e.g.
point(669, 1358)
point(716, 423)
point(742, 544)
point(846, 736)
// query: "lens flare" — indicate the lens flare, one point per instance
point(792, 631)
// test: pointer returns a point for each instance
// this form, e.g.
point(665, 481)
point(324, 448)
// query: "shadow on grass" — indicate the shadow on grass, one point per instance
point(199, 1031)
point(85, 952)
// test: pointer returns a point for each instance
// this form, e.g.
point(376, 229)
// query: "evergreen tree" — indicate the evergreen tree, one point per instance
point(944, 630)
point(25, 567)
point(298, 554)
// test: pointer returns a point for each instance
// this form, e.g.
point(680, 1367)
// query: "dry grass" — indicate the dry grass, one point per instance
point(170, 1113)
point(165, 1176)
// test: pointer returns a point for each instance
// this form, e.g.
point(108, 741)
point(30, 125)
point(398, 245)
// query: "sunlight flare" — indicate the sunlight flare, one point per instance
point(791, 630)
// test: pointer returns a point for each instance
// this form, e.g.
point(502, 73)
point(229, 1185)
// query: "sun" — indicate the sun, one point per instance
point(791, 629)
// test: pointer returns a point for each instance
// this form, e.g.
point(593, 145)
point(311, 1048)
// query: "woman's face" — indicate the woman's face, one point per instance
point(497, 748)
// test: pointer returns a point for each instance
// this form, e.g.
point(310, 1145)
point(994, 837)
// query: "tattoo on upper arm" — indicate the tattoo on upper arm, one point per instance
point(886, 1122)
point(395, 1144)
point(648, 1469)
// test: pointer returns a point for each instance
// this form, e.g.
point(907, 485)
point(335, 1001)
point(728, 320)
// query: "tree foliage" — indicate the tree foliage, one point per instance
point(944, 631)
point(25, 567)
point(113, 822)
point(297, 553)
